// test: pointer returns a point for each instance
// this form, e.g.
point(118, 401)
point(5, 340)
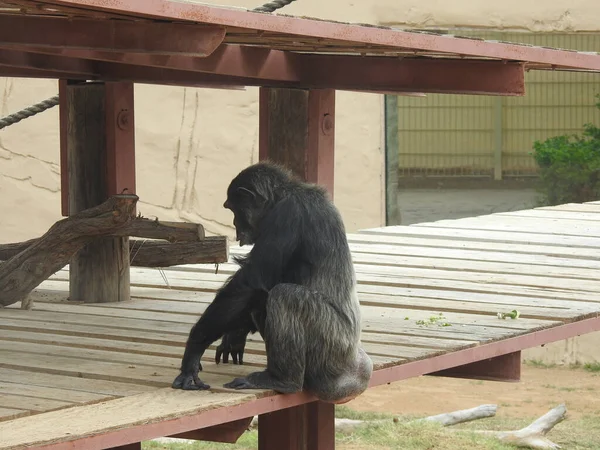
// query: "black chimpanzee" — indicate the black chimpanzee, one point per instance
point(297, 287)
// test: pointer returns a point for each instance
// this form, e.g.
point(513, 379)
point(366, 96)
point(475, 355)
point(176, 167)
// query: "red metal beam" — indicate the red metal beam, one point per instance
point(267, 404)
point(120, 139)
point(110, 35)
point(420, 75)
point(230, 60)
point(228, 433)
point(260, 66)
point(195, 12)
point(500, 368)
point(484, 351)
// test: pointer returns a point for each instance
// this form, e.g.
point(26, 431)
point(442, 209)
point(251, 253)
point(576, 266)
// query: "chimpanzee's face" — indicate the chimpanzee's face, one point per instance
point(245, 215)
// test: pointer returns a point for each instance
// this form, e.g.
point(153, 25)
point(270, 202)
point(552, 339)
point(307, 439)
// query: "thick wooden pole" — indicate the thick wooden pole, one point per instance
point(297, 130)
point(392, 209)
point(97, 161)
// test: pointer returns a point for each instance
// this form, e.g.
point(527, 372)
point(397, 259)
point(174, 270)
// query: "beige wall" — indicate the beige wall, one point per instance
point(191, 142)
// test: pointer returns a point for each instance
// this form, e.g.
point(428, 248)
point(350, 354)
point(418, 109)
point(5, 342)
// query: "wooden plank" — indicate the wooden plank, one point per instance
point(103, 387)
point(209, 367)
point(142, 330)
point(143, 353)
point(432, 256)
point(479, 304)
point(574, 207)
point(473, 234)
point(568, 216)
point(520, 226)
point(30, 403)
point(561, 267)
point(9, 413)
point(398, 277)
point(99, 370)
point(414, 243)
point(102, 418)
point(136, 307)
point(49, 393)
point(477, 282)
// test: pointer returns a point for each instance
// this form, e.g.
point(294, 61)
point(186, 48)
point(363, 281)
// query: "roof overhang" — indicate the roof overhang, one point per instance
point(194, 44)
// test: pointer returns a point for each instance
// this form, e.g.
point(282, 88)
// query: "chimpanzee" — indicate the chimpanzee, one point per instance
point(296, 286)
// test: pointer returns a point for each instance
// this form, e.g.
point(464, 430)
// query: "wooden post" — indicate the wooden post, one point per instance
point(97, 161)
point(392, 209)
point(304, 427)
point(498, 142)
point(297, 130)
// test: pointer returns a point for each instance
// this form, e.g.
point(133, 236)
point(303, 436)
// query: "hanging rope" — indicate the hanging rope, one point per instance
point(53, 101)
point(29, 112)
point(273, 6)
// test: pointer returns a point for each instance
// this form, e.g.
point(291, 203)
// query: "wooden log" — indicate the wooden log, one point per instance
point(534, 435)
point(169, 231)
point(139, 227)
point(210, 250)
point(25, 271)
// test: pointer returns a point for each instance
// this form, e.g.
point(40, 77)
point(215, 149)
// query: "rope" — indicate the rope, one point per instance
point(273, 6)
point(7, 121)
point(29, 112)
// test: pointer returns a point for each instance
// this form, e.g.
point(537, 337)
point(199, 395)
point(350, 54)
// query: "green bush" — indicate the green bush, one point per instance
point(570, 166)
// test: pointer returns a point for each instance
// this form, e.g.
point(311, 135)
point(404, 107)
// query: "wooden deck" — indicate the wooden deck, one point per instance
point(114, 363)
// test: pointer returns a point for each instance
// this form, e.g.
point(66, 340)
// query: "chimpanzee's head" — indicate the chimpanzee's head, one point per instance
point(252, 194)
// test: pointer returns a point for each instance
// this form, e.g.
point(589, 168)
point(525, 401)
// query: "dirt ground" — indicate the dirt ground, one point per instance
point(428, 205)
point(539, 390)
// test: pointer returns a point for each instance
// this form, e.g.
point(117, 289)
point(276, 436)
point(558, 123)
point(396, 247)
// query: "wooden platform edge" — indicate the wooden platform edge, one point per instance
point(485, 351)
point(244, 405)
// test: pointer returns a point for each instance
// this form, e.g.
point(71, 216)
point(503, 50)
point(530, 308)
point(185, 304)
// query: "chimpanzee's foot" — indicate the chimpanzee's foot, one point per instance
point(189, 382)
point(264, 380)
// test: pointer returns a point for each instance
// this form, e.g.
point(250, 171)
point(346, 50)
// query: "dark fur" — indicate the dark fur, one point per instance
point(296, 286)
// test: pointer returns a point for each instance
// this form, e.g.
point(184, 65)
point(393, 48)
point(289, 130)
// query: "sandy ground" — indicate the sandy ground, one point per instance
point(539, 390)
point(428, 205)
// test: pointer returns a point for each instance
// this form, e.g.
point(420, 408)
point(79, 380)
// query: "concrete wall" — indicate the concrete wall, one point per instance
point(191, 142)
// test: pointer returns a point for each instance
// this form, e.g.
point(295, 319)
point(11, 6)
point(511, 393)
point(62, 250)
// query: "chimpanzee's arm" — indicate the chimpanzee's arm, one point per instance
point(233, 304)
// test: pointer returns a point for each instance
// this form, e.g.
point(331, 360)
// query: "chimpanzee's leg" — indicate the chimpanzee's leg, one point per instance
point(287, 309)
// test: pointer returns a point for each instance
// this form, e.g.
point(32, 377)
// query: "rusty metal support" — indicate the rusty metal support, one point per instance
point(247, 66)
point(111, 35)
point(304, 427)
point(228, 432)
point(134, 446)
point(499, 368)
point(336, 31)
point(297, 130)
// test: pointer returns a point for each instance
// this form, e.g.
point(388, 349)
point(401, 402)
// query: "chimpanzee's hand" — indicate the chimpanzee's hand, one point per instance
point(188, 380)
point(232, 343)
